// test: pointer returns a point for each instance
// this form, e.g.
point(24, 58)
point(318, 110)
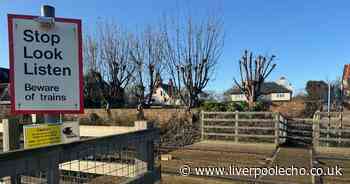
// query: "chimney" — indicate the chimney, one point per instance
point(170, 86)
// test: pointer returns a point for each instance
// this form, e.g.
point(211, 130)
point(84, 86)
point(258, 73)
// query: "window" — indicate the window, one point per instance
point(280, 95)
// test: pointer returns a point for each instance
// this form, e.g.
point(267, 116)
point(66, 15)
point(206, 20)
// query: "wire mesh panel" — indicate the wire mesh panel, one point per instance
point(111, 159)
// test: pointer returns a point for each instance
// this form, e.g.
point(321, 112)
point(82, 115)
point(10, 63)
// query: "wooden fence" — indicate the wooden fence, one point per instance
point(330, 130)
point(244, 127)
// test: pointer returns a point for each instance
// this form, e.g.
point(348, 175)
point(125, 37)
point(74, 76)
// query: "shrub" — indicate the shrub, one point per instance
point(94, 117)
point(213, 106)
point(261, 106)
point(241, 106)
point(233, 106)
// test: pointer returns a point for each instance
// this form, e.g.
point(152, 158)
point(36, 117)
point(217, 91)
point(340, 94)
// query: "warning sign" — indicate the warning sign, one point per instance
point(41, 135)
point(45, 65)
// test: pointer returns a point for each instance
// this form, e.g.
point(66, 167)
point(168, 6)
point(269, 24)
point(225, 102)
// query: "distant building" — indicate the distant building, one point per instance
point(164, 94)
point(284, 82)
point(4, 86)
point(4, 75)
point(346, 81)
point(281, 90)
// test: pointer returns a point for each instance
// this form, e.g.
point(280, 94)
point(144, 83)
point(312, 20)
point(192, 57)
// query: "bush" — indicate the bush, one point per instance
point(94, 117)
point(213, 106)
point(180, 131)
point(241, 106)
point(233, 106)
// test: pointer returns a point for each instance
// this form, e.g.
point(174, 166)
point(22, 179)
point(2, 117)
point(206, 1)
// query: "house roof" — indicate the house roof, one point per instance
point(4, 92)
point(166, 88)
point(346, 72)
point(266, 88)
point(4, 75)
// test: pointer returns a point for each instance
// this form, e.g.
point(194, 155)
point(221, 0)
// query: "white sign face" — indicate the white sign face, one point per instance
point(70, 132)
point(45, 65)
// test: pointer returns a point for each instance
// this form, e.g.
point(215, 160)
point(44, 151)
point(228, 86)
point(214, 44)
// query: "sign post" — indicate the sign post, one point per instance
point(45, 64)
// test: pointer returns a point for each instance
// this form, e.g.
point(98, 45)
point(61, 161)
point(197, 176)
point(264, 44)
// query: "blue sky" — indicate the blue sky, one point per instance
point(311, 39)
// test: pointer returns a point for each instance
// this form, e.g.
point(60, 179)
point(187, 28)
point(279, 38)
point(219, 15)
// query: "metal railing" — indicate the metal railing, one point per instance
point(244, 127)
point(122, 158)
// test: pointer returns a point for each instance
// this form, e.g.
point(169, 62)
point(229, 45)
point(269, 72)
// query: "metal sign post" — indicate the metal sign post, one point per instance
point(49, 13)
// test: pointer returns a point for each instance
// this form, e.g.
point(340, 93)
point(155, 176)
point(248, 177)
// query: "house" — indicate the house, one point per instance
point(164, 94)
point(4, 86)
point(281, 90)
point(346, 81)
point(4, 75)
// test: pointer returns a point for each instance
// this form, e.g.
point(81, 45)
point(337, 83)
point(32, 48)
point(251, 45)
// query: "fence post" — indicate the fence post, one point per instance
point(202, 125)
point(11, 140)
point(340, 127)
point(316, 130)
point(276, 120)
point(236, 126)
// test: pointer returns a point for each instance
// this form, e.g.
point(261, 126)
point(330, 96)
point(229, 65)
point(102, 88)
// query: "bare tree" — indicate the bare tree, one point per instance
point(253, 72)
point(94, 87)
point(192, 52)
point(147, 54)
point(118, 69)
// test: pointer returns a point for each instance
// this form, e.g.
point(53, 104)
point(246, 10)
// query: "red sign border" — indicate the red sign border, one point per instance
point(10, 18)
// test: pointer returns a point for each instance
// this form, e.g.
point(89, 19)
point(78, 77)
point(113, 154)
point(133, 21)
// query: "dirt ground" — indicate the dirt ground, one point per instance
point(194, 180)
point(332, 157)
point(216, 154)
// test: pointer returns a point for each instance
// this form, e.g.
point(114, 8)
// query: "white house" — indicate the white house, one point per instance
point(165, 94)
point(271, 91)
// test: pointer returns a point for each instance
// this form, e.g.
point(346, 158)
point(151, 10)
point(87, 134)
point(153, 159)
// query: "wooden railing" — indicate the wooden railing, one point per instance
point(329, 129)
point(244, 127)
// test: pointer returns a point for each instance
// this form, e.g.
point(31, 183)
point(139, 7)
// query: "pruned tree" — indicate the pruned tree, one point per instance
point(117, 67)
point(192, 53)
point(148, 55)
point(253, 72)
point(95, 89)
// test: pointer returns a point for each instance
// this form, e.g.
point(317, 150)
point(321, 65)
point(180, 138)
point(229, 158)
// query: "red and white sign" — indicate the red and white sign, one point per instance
point(45, 65)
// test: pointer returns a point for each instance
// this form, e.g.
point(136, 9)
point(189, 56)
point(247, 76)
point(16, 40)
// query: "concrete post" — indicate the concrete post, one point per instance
point(11, 134)
point(144, 149)
point(11, 140)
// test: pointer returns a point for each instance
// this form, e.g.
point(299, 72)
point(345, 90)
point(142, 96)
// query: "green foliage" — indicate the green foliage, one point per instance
point(259, 106)
point(242, 106)
point(213, 106)
point(232, 106)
